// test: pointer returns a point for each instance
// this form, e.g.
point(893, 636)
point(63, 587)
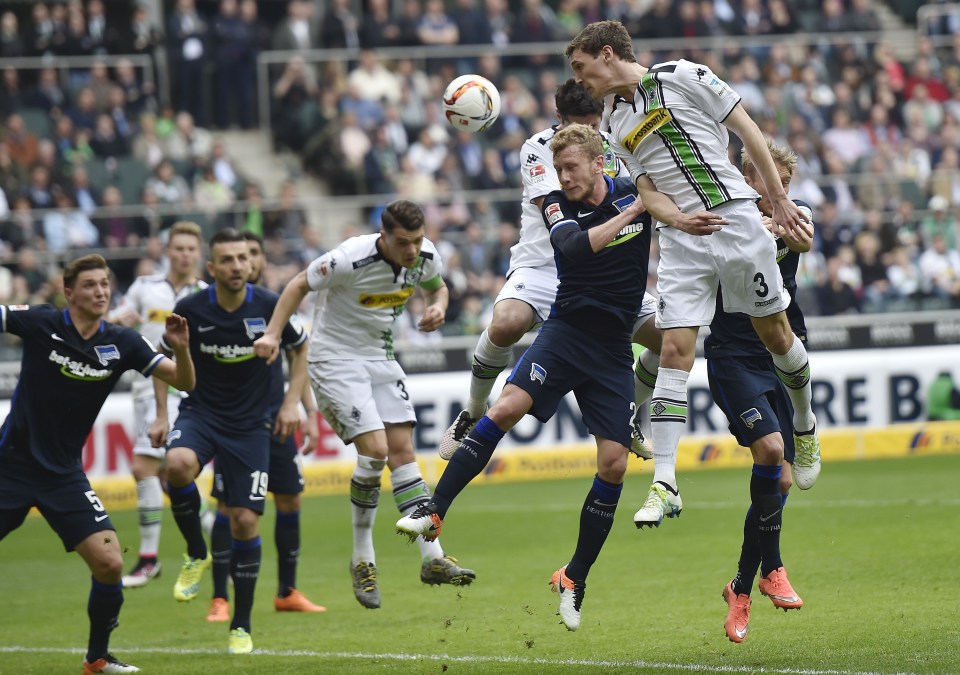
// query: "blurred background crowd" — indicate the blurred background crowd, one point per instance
point(120, 118)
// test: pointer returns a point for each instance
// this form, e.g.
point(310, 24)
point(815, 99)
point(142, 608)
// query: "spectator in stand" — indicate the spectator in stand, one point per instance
point(922, 109)
point(115, 230)
point(77, 41)
point(187, 33)
point(339, 28)
point(861, 17)
point(287, 219)
point(296, 87)
point(41, 33)
point(147, 147)
point(372, 80)
point(904, 276)
point(39, 188)
point(84, 110)
point(106, 143)
point(21, 142)
point(381, 165)
point(939, 222)
point(297, 31)
point(12, 96)
point(473, 28)
point(142, 36)
point(85, 195)
point(20, 228)
point(235, 58)
point(379, 28)
point(873, 272)
point(922, 74)
point(261, 35)
point(48, 95)
point(848, 142)
point(222, 165)
point(66, 227)
point(429, 150)
point(12, 44)
point(117, 110)
point(940, 269)
point(168, 186)
point(210, 195)
point(188, 141)
point(832, 19)
point(436, 27)
point(138, 97)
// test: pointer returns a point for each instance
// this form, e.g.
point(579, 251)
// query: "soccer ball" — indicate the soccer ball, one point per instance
point(471, 103)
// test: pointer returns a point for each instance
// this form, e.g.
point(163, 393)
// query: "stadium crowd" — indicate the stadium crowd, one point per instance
point(877, 133)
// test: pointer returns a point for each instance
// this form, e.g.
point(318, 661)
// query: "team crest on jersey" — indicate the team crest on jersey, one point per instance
point(538, 373)
point(255, 326)
point(650, 123)
point(553, 214)
point(751, 417)
point(107, 353)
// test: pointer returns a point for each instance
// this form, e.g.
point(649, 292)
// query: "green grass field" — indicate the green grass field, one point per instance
point(873, 548)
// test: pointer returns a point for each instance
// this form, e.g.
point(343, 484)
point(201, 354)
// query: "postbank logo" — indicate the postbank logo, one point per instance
point(651, 123)
point(155, 315)
point(377, 300)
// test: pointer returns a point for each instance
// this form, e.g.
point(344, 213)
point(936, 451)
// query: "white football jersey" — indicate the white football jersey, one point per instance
point(672, 131)
point(361, 295)
point(540, 179)
point(153, 298)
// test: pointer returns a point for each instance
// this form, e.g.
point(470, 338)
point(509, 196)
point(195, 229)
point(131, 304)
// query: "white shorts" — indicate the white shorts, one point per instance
point(358, 396)
point(742, 257)
point(536, 286)
point(647, 311)
point(144, 412)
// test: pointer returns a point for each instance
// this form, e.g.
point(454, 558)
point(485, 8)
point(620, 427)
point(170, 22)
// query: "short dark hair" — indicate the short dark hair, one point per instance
point(573, 101)
point(225, 236)
point(251, 236)
point(595, 36)
point(75, 267)
point(402, 213)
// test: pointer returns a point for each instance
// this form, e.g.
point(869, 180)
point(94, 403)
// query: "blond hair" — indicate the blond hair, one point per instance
point(585, 137)
point(186, 227)
point(784, 158)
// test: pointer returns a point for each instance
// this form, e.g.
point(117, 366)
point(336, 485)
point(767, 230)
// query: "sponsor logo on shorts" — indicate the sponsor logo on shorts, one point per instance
point(355, 414)
point(538, 373)
point(661, 305)
point(651, 123)
point(751, 417)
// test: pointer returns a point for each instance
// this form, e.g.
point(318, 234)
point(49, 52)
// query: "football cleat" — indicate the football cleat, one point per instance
point(638, 444)
point(776, 587)
point(738, 614)
point(296, 602)
point(219, 611)
point(455, 433)
point(365, 584)
point(660, 502)
point(188, 581)
point(571, 597)
point(145, 570)
point(806, 463)
point(108, 664)
point(241, 642)
point(445, 570)
point(424, 522)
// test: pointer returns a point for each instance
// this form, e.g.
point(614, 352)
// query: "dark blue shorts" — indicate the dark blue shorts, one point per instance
point(67, 501)
point(286, 470)
point(243, 457)
point(564, 359)
point(748, 391)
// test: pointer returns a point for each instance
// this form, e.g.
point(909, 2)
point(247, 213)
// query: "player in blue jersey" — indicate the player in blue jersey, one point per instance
point(601, 239)
point(286, 484)
point(744, 383)
point(71, 361)
point(228, 417)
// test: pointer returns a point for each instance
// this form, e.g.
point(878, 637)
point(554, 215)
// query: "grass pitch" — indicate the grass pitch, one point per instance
point(873, 549)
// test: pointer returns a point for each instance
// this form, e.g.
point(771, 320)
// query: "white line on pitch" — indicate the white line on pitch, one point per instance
point(657, 665)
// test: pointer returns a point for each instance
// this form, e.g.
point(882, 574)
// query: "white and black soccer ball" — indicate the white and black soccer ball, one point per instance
point(471, 103)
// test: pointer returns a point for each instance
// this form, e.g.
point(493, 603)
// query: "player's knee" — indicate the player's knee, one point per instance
point(181, 466)
point(678, 354)
point(287, 503)
point(107, 568)
point(775, 332)
point(244, 524)
point(507, 411)
point(768, 450)
point(144, 467)
point(612, 468)
point(507, 330)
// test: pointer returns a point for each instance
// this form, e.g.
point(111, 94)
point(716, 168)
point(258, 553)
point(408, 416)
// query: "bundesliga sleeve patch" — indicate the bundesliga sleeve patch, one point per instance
point(553, 214)
point(537, 173)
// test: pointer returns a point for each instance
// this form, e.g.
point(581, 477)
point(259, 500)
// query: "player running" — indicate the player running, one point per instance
point(525, 299)
point(71, 362)
point(669, 126)
point(361, 390)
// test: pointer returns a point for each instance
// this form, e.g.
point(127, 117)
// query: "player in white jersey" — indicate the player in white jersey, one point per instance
point(361, 390)
point(145, 306)
point(669, 126)
point(525, 299)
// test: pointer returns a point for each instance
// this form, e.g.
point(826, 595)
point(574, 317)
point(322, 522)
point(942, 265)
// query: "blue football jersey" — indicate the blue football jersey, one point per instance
point(613, 280)
point(64, 381)
point(233, 384)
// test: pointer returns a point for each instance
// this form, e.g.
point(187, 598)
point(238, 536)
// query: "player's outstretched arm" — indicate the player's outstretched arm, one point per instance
point(603, 235)
point(178, 373)
point(787, 214)
point(288, 418)
point(666, 212)
point(267, 346)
